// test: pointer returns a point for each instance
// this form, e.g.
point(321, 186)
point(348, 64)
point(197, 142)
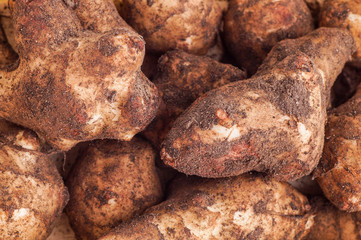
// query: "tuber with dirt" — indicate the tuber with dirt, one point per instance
point(272, 122)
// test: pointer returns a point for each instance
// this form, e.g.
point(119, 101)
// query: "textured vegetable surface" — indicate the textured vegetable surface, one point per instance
point(181, 79)
point(252, 28)
point(273, 122)
point(189, 25)
point(79, 73)
point(344, 14)
point(111, 182)
point(333, 224)
point(32, 193)
point(339, 170)
point(244, 207)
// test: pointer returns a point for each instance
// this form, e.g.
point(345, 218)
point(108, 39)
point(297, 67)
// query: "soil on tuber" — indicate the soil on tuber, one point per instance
point(111, 183)
point(243, 207)
point(272, 122)
point(79, 75)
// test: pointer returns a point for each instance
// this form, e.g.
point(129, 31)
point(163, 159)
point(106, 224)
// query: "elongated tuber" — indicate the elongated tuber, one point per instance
point(273, 122)
point(339, 171)
point(244, 207)
point(79, 73)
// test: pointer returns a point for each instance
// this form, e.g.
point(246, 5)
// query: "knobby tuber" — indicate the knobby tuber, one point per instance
point(252, 28)
point(243, 207)
point(181, 79)
point(273, 122)
point(79, 75)
point(344, 14)
point(339, 171)
point(189, 25)
point(333, 224)
point(111, 182)
point(32, 193)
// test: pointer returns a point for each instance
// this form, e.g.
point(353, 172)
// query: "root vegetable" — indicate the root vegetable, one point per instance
point(244, 207)
point(273, 122)
point(344, 14)
point(73, 84)
point(181, 79)
point(111, 182)
point(339, 170)
point(32, 193)
point(166, 25)
point(333, 224)
point(252, 28)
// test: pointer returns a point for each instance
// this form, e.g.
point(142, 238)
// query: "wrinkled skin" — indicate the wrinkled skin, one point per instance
point(189, 25)
point(339, 171)
point(32, 193)
point(111, 182)
point(333, 224)
point(244, 207)
point(344, 14)
point(181, 79)
point(273, 122)
point(79, 75)
point(252, 28)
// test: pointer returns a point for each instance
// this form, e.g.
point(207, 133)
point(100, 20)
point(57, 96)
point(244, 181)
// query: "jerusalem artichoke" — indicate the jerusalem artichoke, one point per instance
point(243, 207)
point(181, 79)
point(252, 28)
point(273, 122)
point(344, 14)
point(71, 84)
point(111, 182)
point(339, 171)
point(32, 193)
point(187, 25)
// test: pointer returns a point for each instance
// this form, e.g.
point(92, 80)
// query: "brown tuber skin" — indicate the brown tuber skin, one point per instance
point(339, 171)
point(344, 14)
point(32, 193)
point(189, 25)
point(181, 79)
point(252, 28)
point(333, 224)
point(273, 122)
point(244, 207)
point(73, 84)
point(111, 183)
